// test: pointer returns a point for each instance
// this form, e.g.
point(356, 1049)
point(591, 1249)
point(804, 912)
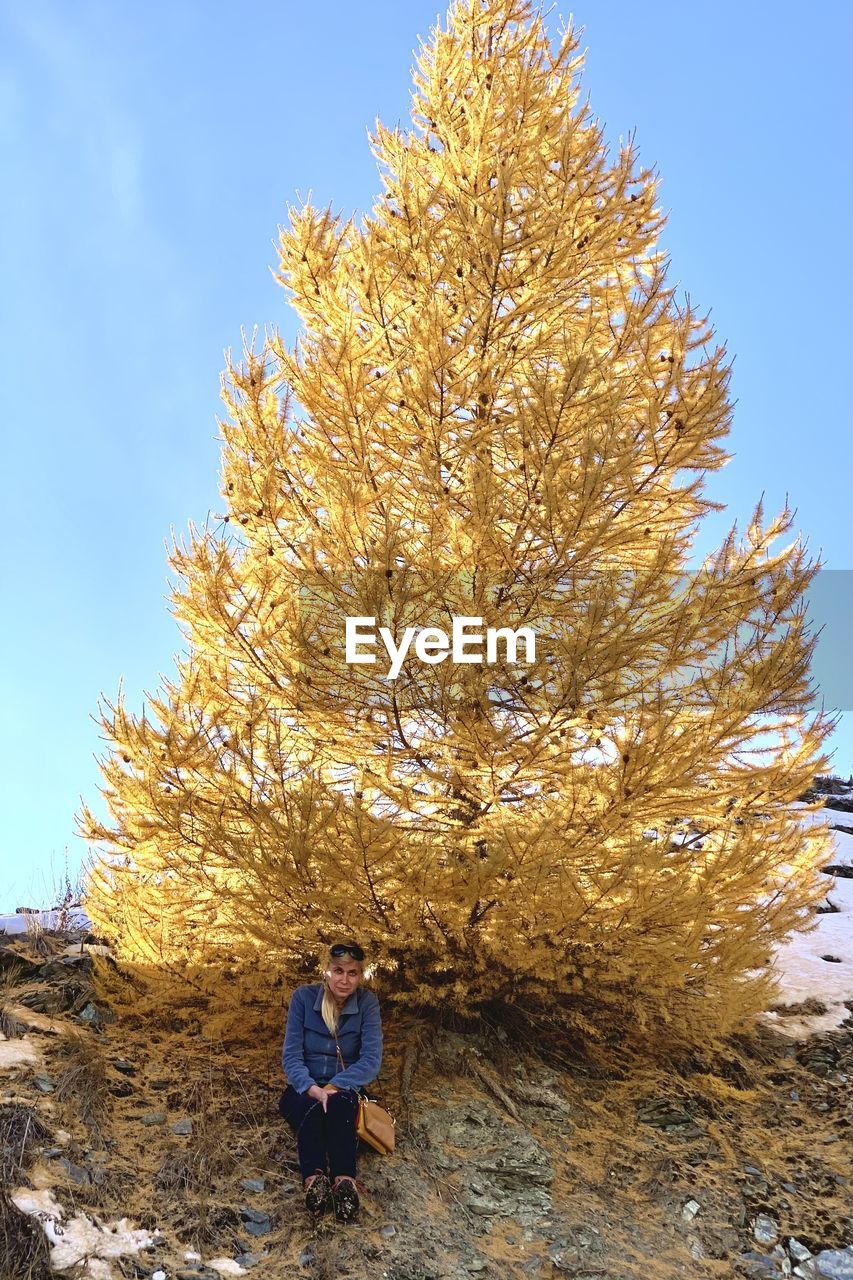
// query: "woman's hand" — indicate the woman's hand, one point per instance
point(320, 1094)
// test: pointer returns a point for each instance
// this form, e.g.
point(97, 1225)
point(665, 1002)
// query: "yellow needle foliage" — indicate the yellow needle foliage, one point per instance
point(495, 408)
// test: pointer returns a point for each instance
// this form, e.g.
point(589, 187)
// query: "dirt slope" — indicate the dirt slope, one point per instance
point(514, 1160)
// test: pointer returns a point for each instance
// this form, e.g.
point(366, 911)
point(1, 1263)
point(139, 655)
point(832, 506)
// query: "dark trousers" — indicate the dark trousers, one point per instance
point(325, 1140)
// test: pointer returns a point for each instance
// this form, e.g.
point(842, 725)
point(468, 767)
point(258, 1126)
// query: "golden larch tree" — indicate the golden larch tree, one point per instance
point(496, 409)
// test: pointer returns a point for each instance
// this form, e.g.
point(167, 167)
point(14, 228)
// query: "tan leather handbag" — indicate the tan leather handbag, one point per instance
point(375, 1126)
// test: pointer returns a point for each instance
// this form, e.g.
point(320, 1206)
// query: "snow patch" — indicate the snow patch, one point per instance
point(800, 964)
point(18, 1053)
point(25, 921)
point(87, 949)
point(80, 1239)
point(98, 1269)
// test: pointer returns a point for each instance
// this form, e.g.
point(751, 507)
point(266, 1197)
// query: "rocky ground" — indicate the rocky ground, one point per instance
point(139, 1135)
point(141, 1147)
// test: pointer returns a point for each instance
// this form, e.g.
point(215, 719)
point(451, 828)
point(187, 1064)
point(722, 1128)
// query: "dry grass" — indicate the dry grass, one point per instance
point(38, 939)
point(14, 972)
point(21, 1131)
point(82, 1084)
point(24, 1251)
point(10, 1027)
point(109, 1197)
point(190, 1169)
point(801, 1009)
point(201, 1225)
point(208, 1151)
point(11, 977)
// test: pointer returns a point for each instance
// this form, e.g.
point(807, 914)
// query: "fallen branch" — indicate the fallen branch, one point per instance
point(486, 1077)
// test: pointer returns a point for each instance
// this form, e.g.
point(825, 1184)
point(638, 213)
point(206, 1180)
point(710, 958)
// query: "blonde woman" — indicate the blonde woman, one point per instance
point(320, 1102)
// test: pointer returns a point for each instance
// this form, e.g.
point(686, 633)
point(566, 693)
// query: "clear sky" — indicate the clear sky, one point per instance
point(150, 151)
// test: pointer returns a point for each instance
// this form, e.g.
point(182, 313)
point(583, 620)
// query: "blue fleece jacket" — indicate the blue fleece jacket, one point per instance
point(308, 1055)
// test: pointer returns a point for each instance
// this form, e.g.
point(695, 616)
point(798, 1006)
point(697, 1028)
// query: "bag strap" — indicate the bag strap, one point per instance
point(340, 1055)
point(361, 1088)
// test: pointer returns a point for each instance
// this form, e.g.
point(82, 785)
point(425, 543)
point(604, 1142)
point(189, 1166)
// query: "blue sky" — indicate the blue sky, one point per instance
point(150, 152)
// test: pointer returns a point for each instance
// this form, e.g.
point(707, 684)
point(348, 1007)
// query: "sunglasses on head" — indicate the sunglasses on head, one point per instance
point(346, 949)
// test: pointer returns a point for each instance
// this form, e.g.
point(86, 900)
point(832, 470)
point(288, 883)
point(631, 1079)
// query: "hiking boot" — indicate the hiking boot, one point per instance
point(345, 1198)
point(318, 1191)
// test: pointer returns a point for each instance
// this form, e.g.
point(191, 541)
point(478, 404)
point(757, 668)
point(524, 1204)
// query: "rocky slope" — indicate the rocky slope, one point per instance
point(149, 1145)
point(165, 1156)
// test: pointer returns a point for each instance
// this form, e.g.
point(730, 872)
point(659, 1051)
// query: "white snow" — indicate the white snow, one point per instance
point(225, 1266)
point(25, 921)
point(98, 1269)
point(18, 1053)
point(88, 949)
point(804, 973)
point(843, 841)
point(80, 1239)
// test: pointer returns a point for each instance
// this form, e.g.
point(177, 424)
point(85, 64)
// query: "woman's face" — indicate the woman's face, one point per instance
point(343, 976)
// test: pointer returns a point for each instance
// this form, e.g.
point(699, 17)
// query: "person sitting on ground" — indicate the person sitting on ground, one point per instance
point(332, 1048)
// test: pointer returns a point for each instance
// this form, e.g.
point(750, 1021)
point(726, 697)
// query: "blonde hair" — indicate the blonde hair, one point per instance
point(328, 1009)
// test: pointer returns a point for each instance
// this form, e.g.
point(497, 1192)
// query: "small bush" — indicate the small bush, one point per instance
point(21, 1132)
